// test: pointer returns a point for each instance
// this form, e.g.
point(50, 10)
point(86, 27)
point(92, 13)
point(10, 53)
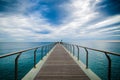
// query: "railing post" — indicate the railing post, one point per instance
point(69, 47)
point(73, 50)
point(16, 66)
point(42, 52)
point(109, 65)
point(48, 48)
point(86, 58)
point(35, 57)
point(66, 46)
point(45, 50)
point(78, 52)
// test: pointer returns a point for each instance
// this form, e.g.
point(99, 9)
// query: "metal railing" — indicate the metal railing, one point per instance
point(46, 47)
point(71, 48)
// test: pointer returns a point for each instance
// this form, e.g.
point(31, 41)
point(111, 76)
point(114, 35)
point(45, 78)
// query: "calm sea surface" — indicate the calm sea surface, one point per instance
point(97, 61)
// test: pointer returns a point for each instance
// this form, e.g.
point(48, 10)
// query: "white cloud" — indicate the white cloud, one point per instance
point(22, 28)
point(109, 21)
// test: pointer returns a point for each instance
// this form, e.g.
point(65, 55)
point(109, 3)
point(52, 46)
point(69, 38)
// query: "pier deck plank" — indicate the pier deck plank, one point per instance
point(60, 66)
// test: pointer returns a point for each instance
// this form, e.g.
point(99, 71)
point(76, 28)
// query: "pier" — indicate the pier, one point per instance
point(62, 61)
point(60, 66)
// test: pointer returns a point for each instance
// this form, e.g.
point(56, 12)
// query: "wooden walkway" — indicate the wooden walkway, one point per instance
point(60, 66)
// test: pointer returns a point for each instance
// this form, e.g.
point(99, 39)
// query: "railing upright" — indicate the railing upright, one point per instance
point(45, 50)
point(73, 50)
point(47, 47)
point(67, 46)
point(109, 65)
point(86, 57)
point(35, 57)
point(86, 50)
point(42, 52)
point(78, 52)
point(16, 66)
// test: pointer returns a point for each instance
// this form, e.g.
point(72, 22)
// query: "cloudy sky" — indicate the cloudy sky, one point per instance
point(53, 20)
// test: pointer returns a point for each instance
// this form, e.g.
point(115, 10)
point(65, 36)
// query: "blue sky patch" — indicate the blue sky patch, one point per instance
point(8, 5)
point(51, 11)
point(109, 7)
point(43, 32)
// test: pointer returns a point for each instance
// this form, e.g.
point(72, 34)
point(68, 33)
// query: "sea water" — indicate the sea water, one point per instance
point(97, 60)
point(25, 62)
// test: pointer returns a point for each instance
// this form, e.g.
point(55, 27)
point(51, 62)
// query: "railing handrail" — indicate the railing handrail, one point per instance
point(107, 52)
point(71, 47)
point(18, 53)
point(13, 53)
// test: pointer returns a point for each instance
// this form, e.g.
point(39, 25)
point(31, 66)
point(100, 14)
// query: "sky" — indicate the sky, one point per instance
point(55, 20)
